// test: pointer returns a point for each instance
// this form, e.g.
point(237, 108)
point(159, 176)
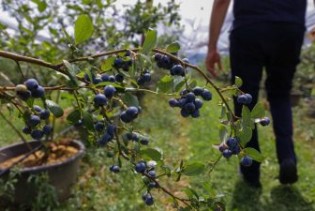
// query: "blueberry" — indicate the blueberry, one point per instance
point(222, 147)
point(140, 167)
point(195, 114)
point(181, 102)
point(198, 90)
point(125, 118)
point(104, 139)
point(231, 142)
point(100, 100)
point(141, 80)
point(147, 77)
point(105, 77)
point(89, 77)
point(244, 99)
point(246, 161)
point(119, 77)
point(158, 57)
point(37, 108)
point(144, 141)
point(236, 150)
point(132, 111)
point(186, 60)
point(148, 199)
point(97, 80)
point(227, 153)
point(109, 91)
point(190, 107)
point(198, 103)
point(27, 130)
point(184, 113)
point(177, 70)
point(190, 97)
point(31, 84)
point(38, 92)
point(152, 174)
point(173, 102)
point(37, 134)
point(114, 168)
point(47, 129)
point(184, 92)
point(249, 98)
point(33, 121)
point(111, 78)
point(44, 114)
point(111, 129)
point(152, 184)
point(206, 95)
point(99, 126)
point(118, 63)
point(264, 121)
point(24, 95)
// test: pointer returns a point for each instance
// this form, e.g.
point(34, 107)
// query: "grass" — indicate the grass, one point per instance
point(192, 139)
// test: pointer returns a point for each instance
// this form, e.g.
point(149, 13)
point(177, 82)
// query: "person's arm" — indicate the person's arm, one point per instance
point(217, 17)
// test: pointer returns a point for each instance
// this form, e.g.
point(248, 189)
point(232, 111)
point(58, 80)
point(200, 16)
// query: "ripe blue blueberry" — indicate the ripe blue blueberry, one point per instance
point(111, 78)
point(33, 120)
point(195, 114)
point(114, 168)
point(38, 92)
point(44, 114)
point(37, 108)
point(190, 107)
point(246, 161)
point(119, 77)
point(184, 112)
point(198, 103)
point(111, 129)
point(31, 84)
point(141, 80)
point(140, 167)
point(177, 70)
point(105, 77)
point(147, 77)
point(227, 153)
point(144, 140)
point(152, 174)
point(105, 139)
point(153, 184)
point(231, 142)
point(244, 99)
point(198, 90)
point(47, 129)
point(148, 199)
point(109, 91)
point(37, 134)
point(99, 126)
point(24, 95)
point(158, 57)
point(100, 100)
point(118, 63)
point(206, 95)
point(27, 130)
point(190, 97)
point(132, 112)
point(125, 118)
point(173, 102)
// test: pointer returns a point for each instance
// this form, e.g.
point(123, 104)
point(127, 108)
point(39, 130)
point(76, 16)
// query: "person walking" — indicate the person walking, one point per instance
point(265, 35)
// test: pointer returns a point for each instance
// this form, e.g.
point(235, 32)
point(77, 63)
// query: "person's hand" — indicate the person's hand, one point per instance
point(213, 59)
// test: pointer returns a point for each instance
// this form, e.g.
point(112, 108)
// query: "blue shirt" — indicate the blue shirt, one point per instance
point(253, 11)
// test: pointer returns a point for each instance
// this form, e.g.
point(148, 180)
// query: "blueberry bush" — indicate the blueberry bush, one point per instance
point(103, 90)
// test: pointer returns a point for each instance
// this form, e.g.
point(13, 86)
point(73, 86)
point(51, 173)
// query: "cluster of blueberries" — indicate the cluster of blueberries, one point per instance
point(33, 122)
point(189, 103)
point(165, 62)
point(96, 79)
point(101, 99)
point(130, 114)
point(123, 63)
point(109, 133)
point(136, 137)
point(30, 88)
point(232, 147)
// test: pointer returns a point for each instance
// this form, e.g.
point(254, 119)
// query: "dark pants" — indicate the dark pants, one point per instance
point(276, 48)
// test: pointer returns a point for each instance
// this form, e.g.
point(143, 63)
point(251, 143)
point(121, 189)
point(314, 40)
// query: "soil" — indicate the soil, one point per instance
point(57, 152)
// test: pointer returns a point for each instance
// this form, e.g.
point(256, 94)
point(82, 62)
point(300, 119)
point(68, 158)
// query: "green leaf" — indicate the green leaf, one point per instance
point(54, 108)
point(173, 47)
point(223, 132)
point(88, 120)
point(193, 169)
point(149, 41)
point(246, 116)
point(130, 99)
point(74, 116)
point(165, 84)
point(83, 29)
point(71, 73)
point(41, 5)
point(245, 135)
point(258, 111)
point(253, 153)
point(152, 153)
point(238, 81)
point(107, 64)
